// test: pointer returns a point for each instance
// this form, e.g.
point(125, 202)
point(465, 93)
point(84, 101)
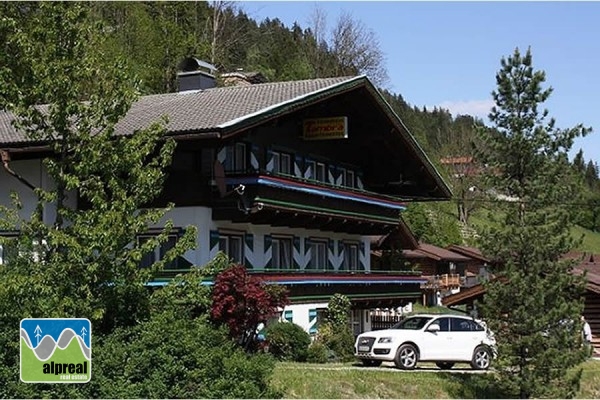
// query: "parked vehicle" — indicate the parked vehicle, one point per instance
point(445, 339)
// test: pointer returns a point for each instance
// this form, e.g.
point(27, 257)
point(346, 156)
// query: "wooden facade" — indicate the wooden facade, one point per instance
point(294, 210)
point(586, 263)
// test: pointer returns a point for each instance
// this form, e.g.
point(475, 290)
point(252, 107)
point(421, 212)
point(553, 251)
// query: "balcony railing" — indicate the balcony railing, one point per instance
point(443, 281)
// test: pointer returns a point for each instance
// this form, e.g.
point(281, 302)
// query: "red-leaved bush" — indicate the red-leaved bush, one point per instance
point(242, 302)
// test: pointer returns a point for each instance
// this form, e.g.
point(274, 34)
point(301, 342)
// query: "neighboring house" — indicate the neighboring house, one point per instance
point(590, 263)
point(291, 179)
point(447, 270)
point(464, 166)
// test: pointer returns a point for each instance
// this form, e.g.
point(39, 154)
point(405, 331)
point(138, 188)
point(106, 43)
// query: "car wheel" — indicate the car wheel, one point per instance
point(444, 365)
point(482, 358)
point(406, 357)
point(371, 363)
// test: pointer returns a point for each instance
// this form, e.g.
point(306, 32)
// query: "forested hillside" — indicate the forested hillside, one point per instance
point(153, 37)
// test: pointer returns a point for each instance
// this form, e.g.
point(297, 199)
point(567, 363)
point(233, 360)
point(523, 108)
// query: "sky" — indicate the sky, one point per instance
point(447, 54)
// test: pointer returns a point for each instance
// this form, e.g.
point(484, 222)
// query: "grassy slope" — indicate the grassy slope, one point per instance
point(590, 242)
point(327, 381)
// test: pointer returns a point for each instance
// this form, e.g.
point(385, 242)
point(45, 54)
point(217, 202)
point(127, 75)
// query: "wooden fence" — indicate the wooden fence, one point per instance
point(379, 322)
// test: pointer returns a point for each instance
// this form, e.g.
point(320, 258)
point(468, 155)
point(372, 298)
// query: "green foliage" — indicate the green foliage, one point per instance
point(433, 224)
point(287, 341)
point(341, 344)
point(338, 309)
point(171, 357)
point(175, 353)
point(90, 255)
point(535, 309)
point(335, 332)
point(317, 353)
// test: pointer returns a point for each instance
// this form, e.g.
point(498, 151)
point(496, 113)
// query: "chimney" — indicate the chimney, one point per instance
point(194, 74)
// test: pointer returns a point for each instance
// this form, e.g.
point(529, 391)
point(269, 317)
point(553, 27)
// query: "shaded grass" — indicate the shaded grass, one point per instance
point(327, 381)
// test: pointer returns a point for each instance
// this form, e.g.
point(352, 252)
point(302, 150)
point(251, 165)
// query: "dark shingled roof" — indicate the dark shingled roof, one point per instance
point(209, 110)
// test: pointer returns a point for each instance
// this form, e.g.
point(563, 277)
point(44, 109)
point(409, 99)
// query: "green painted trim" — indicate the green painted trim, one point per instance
point(328, 210)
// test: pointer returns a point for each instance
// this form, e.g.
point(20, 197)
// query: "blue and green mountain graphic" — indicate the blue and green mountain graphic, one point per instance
point(55, 350)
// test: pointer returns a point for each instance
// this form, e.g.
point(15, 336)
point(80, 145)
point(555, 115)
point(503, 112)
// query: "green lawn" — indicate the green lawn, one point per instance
point(328, 381)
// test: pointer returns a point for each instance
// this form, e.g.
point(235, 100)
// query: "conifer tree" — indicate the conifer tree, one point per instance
point(534, 310)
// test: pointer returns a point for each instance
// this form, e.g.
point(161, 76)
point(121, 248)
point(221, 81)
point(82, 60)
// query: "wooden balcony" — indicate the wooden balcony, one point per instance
point(443, 282)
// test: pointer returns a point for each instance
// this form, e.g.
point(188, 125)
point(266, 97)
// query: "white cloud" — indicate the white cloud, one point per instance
point(475, 108)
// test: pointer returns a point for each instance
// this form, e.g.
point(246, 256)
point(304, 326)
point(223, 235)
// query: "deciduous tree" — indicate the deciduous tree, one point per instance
point(242, 301)
point(77, 254)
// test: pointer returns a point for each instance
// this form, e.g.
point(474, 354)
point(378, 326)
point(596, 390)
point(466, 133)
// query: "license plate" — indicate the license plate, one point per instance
point(363, 348)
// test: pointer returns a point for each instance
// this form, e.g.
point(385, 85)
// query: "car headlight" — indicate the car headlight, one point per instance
point(385, 340)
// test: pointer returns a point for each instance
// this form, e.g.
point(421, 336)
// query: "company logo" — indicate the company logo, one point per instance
point(56, 350)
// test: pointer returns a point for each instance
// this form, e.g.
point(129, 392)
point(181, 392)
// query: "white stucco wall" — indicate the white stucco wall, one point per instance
point(301, 314)
point(34, 172)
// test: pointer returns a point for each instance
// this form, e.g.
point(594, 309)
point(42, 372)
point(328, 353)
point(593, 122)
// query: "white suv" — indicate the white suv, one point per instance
point(441, 338)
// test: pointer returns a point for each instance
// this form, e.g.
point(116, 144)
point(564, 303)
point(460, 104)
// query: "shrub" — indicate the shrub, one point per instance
point(341, 343)
point(287, 341)
point(167, 357)
point(317, 353)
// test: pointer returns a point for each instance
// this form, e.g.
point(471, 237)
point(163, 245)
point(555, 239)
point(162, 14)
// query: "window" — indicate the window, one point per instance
point(235, 158)
point(350, 178)
point(288, 315)
point(315, 171)
point(8, 249)
point(233, 246)
point(351, 256)
point(282, 163)
point(159, 252)
point(318, 254)
point(443, 323)
point(282, 253)
point(320, 172)
point(465, 325)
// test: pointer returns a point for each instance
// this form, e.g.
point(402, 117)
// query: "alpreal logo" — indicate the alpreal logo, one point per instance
point(56, 350)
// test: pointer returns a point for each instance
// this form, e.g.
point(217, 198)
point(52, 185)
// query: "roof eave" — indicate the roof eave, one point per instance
point(235, 126)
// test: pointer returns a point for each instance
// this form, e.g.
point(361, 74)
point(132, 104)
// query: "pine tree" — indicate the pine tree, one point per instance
point(579, 162)
point(591, 174)
point(534, 310)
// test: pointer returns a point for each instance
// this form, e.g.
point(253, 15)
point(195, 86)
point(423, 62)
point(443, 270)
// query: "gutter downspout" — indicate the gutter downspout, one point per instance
point(5, 160)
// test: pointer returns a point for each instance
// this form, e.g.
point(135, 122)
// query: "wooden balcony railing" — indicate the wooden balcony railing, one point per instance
point(444, 281)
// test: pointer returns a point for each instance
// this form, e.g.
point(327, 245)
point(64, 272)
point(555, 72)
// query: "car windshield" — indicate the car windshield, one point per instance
point(412, 323)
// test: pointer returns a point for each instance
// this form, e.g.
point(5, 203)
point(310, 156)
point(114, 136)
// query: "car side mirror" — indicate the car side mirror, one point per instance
point(433, 328)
